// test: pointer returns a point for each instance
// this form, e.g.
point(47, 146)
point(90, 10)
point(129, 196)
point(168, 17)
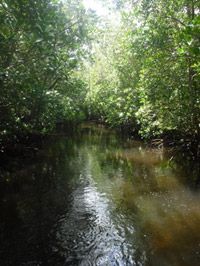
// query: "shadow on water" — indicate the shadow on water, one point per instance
point(97, 199)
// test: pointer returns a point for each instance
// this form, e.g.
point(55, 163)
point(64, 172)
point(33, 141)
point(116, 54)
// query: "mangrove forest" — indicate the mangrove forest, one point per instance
point(99, 132)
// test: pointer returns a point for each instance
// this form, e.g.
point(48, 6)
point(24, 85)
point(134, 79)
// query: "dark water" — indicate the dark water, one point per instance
point(96, 199)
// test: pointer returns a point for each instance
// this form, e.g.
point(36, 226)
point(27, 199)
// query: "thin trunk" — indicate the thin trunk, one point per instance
point(192, 82)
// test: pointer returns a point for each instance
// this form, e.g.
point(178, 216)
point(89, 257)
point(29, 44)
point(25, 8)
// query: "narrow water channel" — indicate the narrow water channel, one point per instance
point(97, 199)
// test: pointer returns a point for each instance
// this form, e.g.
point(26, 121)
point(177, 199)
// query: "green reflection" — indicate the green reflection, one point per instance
point(91, 183)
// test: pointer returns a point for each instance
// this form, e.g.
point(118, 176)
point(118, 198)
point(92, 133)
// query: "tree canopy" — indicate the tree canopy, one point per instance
point(147, 75)
point(41, 44)
point(60, 62)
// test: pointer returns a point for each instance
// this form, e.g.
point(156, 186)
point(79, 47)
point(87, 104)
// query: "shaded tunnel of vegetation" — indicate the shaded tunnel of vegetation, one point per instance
point(60, 62)
point(136, 70)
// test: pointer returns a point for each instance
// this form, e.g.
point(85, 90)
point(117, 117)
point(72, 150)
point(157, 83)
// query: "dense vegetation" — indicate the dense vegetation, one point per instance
point(41, 43)
point(146, 71)
point(143, 72)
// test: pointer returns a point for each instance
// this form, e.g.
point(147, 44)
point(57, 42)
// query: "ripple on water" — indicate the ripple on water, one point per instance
point(87, 232)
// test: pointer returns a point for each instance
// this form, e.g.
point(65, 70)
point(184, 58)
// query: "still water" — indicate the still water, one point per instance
point(96, 198)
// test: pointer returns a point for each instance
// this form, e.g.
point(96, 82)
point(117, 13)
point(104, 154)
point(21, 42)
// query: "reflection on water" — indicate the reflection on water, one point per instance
point(95, 199)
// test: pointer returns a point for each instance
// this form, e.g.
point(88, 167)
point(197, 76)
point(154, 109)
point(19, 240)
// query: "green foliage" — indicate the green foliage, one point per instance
point(143, 72)
point(147, 74)
point(41, 44)
point(110, 94)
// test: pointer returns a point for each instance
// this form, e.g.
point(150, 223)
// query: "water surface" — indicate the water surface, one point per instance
point(96, 198)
